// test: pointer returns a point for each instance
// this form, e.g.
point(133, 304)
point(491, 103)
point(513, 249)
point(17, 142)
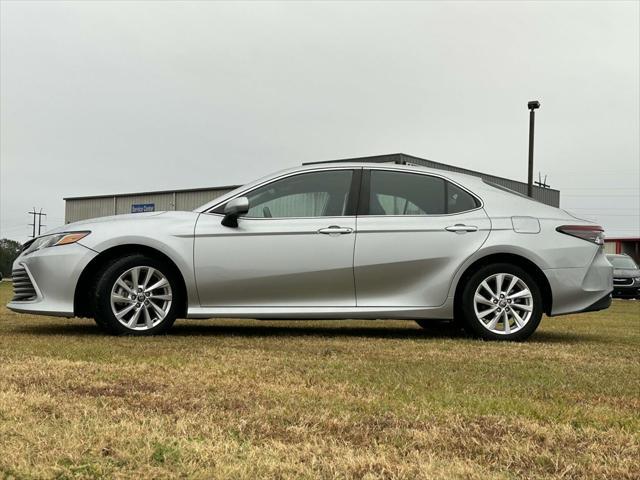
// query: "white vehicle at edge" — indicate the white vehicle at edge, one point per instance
point(327, 241)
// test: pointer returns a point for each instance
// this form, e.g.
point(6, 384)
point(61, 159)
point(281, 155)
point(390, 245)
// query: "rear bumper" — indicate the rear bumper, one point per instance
point(602, 304)
point(581, 289)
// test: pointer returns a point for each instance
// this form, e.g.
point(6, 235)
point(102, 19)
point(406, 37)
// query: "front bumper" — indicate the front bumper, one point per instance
point(54, 274)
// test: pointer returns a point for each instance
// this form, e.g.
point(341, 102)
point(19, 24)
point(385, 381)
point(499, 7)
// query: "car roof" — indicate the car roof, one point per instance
point(409, 167)
point(473, 183)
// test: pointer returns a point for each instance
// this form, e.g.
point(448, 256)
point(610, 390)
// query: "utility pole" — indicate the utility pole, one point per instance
point(33, 235)
point(533, 106)
point(40, 221)
point(541, 183)
point(40, 225)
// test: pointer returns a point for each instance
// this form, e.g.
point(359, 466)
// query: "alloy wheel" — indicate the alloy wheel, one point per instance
point(141, 298)
point(503, 303)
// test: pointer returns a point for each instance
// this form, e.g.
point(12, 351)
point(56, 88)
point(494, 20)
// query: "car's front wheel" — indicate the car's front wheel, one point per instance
point(137, 295)
point(501, 302)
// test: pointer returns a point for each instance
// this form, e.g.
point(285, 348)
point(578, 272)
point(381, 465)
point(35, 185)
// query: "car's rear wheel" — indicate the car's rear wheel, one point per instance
point(137, 295)
point(501, 302)
point(436, 324)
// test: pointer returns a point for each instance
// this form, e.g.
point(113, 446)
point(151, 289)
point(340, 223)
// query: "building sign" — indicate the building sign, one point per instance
point(143, 207)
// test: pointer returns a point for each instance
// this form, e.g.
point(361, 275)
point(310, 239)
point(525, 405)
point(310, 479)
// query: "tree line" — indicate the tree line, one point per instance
point(9, 251)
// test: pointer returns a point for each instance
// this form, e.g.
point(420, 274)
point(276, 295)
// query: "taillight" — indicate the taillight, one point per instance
point(590, 233)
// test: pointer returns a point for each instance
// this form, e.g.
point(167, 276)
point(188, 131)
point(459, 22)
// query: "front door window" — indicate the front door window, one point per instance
point(314, 194)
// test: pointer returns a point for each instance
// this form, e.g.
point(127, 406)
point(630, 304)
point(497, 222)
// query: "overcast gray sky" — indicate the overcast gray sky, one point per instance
point(112, 97)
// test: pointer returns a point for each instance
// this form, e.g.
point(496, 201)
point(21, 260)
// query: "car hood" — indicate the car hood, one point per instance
point(129, 222)
point(626, 272)
point(82, 224)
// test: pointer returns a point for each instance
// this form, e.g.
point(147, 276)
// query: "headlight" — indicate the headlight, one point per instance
point(53, 240)
point(637, 279)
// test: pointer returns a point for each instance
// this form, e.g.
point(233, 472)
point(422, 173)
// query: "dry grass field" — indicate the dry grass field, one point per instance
point(247, 399)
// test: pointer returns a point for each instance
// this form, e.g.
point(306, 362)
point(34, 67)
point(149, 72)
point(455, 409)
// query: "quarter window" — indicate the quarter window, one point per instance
point(458, 200)
point(315, 194)
point(400, 193)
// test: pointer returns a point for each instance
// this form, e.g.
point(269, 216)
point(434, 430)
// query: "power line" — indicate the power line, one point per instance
point(608, 214)
point(602, 208)
point(600, 188)
point(598, 195)
point(589, 173)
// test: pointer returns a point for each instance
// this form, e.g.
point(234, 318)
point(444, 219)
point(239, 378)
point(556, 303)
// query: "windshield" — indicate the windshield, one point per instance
point(622, 262)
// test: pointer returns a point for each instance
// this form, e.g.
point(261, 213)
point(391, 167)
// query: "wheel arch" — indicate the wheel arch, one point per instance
point(84, 288)
point(515, 259)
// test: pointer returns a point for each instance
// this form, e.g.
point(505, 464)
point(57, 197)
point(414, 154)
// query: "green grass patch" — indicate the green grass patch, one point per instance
point(331, 399)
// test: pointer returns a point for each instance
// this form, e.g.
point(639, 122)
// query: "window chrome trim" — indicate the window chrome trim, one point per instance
point(261, 219)
point(282, 177)
point(242, 193)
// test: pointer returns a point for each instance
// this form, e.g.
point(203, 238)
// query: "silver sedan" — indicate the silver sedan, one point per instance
point(329, 241)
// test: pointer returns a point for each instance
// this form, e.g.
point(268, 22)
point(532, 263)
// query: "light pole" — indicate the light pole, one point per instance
point(533, 106)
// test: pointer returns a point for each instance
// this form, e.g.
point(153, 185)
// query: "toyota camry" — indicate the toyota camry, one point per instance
point(331, 241)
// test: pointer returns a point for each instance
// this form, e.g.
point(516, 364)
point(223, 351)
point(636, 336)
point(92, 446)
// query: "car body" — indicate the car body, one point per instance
point(327, 241)
point(626, 276)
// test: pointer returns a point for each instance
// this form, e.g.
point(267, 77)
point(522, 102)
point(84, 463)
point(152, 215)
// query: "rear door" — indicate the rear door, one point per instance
point(294, 248)
point(414, 231)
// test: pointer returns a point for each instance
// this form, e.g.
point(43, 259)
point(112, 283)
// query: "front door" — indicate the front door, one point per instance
point(294, 247)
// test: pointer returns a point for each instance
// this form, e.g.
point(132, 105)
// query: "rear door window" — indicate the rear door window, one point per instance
point(404, 193)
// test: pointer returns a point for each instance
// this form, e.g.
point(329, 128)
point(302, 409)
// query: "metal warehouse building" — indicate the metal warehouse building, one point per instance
point(81, 208)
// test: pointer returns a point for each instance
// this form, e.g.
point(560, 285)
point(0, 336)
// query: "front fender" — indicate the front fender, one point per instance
point(179, 249)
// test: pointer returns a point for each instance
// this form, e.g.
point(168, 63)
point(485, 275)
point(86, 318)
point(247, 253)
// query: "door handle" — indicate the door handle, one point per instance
point(335, 230)
point(460, 228)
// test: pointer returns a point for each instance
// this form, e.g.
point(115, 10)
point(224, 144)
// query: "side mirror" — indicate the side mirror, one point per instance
point(233, 210)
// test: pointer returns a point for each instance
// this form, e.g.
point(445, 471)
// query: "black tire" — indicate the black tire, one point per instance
point(436, 324)
point(476, 327)
point(99, 323)
point(92, 295)
point(105, 281)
